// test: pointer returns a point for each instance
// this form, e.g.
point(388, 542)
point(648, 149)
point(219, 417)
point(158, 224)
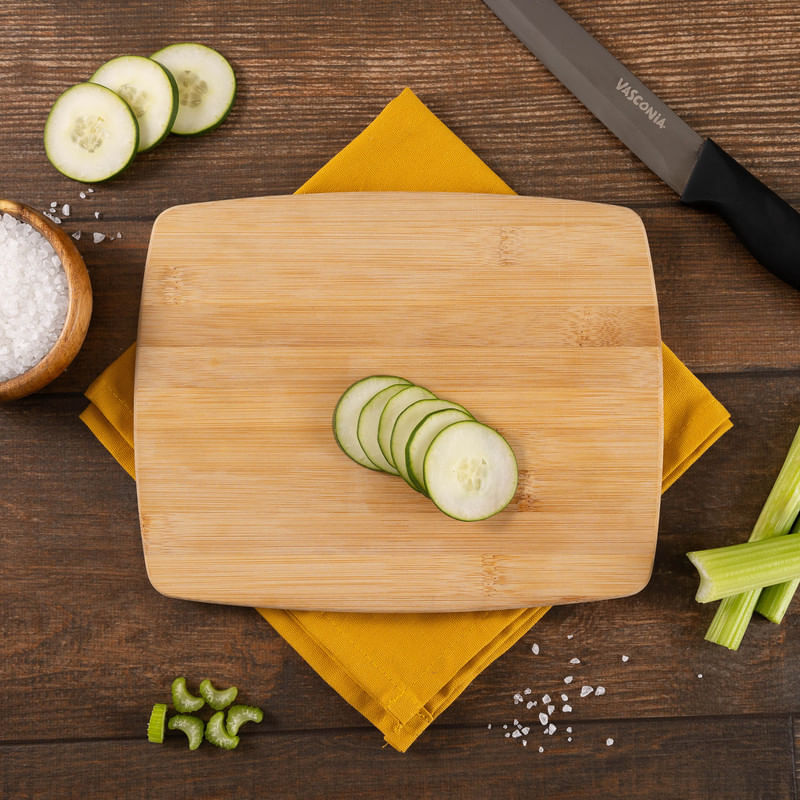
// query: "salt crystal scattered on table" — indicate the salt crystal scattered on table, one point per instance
point(551, 709)
point(535, 649)
point(516, 722)
point(574, 661)
point(543, 718)
point(551, 729)
point(569, 729)
point(65, 209)
point(541, 749)
point(570, 635)
point(599, 691)
point(569, 738)
point(53, 204)
point(545, 698)
point(526, 730)
point(97, 215)
point(568, 679)
point(90, 190)
point(82, 195)
point(489, 726)
point(586, 691)
point(566, 708)
point(527, 691)
point(98, 237)
point(516, 734)
point(505, 727)
point(699, 674)
point(625, 659)
point(524, 742)
point(508, 735)
point(609, 742)
point(564, 698)
point(119, 235)
point(517, 698)
point(33, 297)
point(76, 235)
point(529, 704)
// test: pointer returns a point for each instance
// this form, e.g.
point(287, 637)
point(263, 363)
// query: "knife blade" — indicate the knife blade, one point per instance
point(698, 169)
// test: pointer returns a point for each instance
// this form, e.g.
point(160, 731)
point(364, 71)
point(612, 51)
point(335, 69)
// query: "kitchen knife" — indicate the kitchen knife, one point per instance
point(698, 169)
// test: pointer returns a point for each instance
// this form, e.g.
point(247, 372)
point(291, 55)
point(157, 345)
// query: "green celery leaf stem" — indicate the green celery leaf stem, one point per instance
point(777, 515)
point(746, 567)
point(774, 601)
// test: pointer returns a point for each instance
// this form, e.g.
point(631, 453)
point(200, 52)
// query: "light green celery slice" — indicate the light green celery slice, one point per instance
point(739, 568)
point(779, 512)
point(775, 600)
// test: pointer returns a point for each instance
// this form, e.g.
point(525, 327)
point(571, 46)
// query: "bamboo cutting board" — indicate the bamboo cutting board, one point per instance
point(538, 315)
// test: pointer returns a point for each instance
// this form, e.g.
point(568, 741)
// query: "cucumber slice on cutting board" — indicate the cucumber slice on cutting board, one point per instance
point(348, 410)
point(368, 421)
point(395, 407)
point(470, 471)
point(91, 134)
point(421, 438)
point(408, 420)
point(206, 86)
point(149, 89)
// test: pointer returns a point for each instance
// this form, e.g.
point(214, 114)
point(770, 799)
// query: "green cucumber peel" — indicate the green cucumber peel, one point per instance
point(192, 726)
point(217, 734)
point(238, 715)
point(183, 700)
point(218, 699)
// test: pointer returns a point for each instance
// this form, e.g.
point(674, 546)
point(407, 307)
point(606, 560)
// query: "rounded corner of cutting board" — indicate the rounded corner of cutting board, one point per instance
point(295, 319)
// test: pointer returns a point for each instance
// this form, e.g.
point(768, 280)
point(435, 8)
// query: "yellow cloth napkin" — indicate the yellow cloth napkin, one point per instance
point(402, 670)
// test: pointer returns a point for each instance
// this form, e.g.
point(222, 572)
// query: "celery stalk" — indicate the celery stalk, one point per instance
point(774, 600)
point(779, 512)
point(739, 568)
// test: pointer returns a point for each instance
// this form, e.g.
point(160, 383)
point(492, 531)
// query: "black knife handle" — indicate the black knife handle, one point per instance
point(765, 222)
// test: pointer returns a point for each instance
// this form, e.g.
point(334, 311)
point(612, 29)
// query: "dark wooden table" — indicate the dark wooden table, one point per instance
point(87, 645)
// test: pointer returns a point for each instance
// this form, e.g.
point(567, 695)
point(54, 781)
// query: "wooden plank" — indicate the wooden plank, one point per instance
point(735, 81)
point(76, 645)
point(720, 757)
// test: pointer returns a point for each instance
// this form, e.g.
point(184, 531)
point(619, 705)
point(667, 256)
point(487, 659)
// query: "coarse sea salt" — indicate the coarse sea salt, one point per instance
point(33, 297)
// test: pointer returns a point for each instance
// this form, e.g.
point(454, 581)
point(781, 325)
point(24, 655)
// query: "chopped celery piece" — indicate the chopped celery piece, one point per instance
point(217, 698)
point(183, 699)
point(779, 512)
point(238, 715)
point(775, 600)
point(216, 733)
point(192, 726)
point(155, 725)
point(726, 571)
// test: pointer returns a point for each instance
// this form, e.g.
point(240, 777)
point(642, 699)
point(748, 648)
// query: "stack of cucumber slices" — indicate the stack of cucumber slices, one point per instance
point(388, 424)
point(95, 129)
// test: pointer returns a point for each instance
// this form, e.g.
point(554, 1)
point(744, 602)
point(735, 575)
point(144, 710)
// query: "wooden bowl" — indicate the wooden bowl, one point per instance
point(79, 309)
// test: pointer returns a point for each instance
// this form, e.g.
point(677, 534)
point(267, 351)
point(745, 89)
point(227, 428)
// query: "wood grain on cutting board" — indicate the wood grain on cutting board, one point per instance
point(538, 315)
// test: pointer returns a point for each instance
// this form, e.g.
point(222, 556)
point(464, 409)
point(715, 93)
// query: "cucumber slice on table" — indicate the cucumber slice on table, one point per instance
point(206, 86)
point(91, 134)
point(148, 88)
point(408, 420)
point(421, 438)
point(399, 403)
point(470, 471)
point(348, 410)
point(368, 421)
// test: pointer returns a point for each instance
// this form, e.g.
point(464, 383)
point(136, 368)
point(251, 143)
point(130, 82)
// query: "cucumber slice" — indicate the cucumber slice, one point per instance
point(399, 403)
point(406, 423)
point(91, 133)
point(206, 86)
point(149, 89)
point(348, 409)
point(470, 471)
point(368, 421)
point(421, 438)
